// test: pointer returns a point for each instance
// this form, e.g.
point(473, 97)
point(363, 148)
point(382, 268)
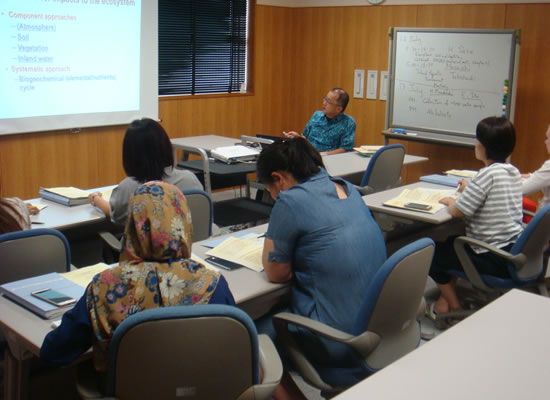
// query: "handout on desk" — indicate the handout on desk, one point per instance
point(247, 252)
point(425, 196)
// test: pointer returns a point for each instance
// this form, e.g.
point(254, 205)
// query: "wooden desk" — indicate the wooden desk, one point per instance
point(500, 352)
point(352, 166)
point(25, 331)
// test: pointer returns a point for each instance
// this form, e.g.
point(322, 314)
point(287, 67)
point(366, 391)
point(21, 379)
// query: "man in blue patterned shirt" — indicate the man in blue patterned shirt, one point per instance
point(329, 130)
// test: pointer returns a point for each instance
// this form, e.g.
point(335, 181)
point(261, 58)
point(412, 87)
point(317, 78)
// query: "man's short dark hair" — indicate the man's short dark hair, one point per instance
point(146, 151)
point(498, 136)
point(343, 97)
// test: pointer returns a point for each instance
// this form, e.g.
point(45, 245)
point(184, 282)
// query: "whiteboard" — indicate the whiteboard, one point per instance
point(444, 82)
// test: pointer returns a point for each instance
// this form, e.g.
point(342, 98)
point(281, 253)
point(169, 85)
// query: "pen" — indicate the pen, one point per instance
point(458, 188)
point(37, 223)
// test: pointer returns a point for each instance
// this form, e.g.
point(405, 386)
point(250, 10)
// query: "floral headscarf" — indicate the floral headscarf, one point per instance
point(154, 270)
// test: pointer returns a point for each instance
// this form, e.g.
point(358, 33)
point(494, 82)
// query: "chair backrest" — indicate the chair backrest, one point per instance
point(532, 242)
point(33, 252)
point(384, 169)
point(202, 212)
point(393, 299)
point(202, 352)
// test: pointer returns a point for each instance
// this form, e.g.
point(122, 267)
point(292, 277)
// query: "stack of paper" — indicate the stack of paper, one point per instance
point(367, 150)
point(428, 197)
point(247, 252)
point(463, 173)
point(70, 196)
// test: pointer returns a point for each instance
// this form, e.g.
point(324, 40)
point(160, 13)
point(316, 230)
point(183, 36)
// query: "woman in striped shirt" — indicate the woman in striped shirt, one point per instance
point(491, 205)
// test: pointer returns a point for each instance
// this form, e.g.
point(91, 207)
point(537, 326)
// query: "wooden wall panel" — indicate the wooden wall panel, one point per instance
point(533, 105)
point(93, 157)
point(364, 45)
point(300, 53)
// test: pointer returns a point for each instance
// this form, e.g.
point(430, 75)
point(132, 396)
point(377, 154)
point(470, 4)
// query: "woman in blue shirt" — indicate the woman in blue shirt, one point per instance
point(322, 237)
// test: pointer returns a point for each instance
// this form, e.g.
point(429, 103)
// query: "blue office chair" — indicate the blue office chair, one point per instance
point(384, 170)
point(526, 261)
point(33, 252)
point(203, 352)
point(386, 328)
point(202, 214)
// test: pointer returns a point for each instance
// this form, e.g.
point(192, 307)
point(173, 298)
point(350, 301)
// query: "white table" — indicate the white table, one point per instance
point(202, 145)
point(376, 201)
point(58, 216)
point(25, 331)
point(352, 165)
point(205, 142)
point(500, 352)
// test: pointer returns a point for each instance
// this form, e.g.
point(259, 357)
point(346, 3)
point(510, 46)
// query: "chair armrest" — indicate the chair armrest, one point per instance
point(364, 343)
point(269, 360)
point(421, 309)
point(111, 241)
point(272, 369)
point(518, 259)
point(86, 381)
point(471, 272)
point(364, 190)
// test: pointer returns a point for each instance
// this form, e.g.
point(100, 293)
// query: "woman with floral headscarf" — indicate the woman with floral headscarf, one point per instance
point(154, 271)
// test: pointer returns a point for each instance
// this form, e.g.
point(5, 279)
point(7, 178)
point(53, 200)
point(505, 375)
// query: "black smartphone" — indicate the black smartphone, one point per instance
point(53, 297)
point(418, 206)
point(220, 262)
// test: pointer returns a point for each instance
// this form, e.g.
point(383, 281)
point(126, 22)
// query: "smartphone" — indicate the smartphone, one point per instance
point(220, 262)
point(53, 297)
point(418, 206)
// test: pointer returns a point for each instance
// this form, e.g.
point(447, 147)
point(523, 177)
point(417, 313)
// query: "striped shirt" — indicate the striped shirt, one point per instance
point(492, 205)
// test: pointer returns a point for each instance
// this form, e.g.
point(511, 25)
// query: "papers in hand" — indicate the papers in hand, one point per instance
point(426, 196)
point(247, 252)
point(367, 150)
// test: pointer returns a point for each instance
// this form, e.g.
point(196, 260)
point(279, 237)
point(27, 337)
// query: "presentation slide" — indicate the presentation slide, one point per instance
point(74, 63)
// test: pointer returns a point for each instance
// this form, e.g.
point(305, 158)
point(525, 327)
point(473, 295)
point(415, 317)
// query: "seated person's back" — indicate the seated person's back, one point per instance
point(322, 231)
point(154, 271)
point(146, 156)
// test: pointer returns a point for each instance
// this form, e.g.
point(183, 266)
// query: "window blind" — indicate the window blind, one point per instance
point(202, 46)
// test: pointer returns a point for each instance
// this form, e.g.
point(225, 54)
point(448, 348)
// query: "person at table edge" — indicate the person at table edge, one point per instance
point(329, 130)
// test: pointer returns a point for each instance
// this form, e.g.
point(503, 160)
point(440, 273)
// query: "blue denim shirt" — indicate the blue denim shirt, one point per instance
point(335, 248)
point(330, 134)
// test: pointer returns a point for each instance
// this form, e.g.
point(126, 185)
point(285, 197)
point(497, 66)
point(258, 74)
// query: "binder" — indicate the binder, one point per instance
point(446, 180)
point(20, 292)
point(55, 195)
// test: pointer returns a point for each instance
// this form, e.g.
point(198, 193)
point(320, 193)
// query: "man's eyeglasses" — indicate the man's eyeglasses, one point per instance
point(328, 101)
